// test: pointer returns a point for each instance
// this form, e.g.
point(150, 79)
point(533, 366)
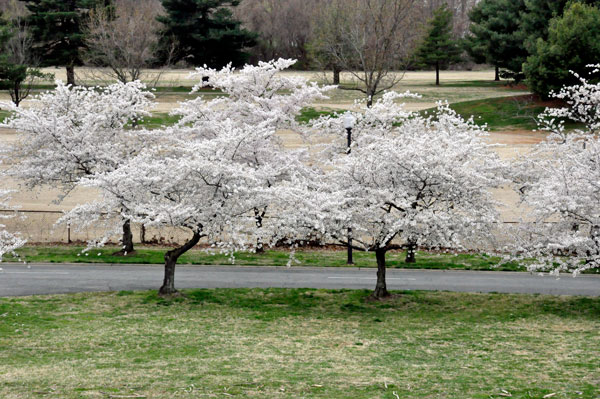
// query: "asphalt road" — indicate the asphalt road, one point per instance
point(18, 279)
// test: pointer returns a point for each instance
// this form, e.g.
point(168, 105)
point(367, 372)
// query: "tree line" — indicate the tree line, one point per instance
point(537, 40)
point(126, 36)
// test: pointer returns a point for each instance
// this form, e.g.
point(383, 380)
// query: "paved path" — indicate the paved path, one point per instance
point(18, 279)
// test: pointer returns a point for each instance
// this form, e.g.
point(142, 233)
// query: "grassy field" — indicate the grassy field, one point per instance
point(279, 343)
point(315, 258)
point(515, 112)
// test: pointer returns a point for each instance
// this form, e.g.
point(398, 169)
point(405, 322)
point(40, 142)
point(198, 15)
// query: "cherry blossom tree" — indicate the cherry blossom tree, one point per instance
point(558, 182)
point(253, 96)
point(221, 173)
point(8, 241)
point(73, 132)
point(203, 186)
point(409, 179)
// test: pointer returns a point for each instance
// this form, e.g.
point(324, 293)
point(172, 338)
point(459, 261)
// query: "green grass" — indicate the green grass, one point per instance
point(316, 258)
point(4, 115)
point(518, 112)
point(308, 114)
point(515, 112)
point(281, 343)
point(158, 120)
point(502, 84)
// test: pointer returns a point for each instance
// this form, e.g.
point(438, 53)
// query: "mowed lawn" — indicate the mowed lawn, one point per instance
point(302, 257)
point(278, 343)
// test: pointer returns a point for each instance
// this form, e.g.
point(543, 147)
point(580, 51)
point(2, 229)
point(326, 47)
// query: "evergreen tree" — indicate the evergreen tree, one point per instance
point(573, 42)
point(204, 32)
point(438, 48)
point(535, 20)
point(56, 26)
point(495, 37)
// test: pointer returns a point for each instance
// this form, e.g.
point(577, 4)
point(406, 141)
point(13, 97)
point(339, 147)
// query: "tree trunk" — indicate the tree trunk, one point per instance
point(17, 95)
point(349, 260)
point(127, 237)
point(336, 75)
point(71, 75)
point(410, 252)
point(369, 100)
point(497, 74)
point(168, 287)
point(126, 241)
point(437, 73)
point(380, 288)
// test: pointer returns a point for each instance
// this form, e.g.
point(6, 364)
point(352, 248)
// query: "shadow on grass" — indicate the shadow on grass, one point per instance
point(274, 303)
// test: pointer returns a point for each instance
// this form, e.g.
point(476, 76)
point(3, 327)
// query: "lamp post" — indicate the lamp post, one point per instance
point(348, 125)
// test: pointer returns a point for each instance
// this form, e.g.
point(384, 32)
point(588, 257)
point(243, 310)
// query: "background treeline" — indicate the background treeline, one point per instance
point(536, 40)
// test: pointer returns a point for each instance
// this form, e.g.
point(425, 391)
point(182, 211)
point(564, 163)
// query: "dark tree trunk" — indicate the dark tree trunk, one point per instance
point(260, 248)
point(336, 75)
point(71, 75)
point(349, 260)
point(168, 287)
point(437, 73)
point(17, 95)
point(380, 288)
point(127, 237)
point(497, 74)
point(143, 234)
point(126, 241)
point(369, 100)
point(410, 252)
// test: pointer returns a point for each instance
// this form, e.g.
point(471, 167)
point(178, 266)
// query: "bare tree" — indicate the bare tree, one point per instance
point(460, 9)
point(284, 27)
point(13, 8)
point(370, 39)
point(123, 38)
point(20, 72)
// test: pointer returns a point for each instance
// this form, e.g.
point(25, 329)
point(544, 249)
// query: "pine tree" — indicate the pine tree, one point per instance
point(495, 37)
point(438, 48)
point(535, 21)
point(573, 43)
point(204, 32)
point(56, 26)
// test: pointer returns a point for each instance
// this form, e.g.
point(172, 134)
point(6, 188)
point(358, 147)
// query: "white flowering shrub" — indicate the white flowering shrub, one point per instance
point(71, 132)
point(559, 186)
point(9, 242)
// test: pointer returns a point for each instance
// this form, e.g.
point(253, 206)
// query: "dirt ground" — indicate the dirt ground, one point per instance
point(38, 226)
point(421, 82)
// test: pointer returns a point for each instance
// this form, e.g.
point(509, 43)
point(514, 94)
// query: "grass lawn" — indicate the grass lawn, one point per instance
point(278, 343)
point(317, 258)
point(3, 115)
point(516, 112)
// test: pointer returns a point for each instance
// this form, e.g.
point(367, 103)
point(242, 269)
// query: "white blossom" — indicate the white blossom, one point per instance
point(220, 172)
point(559, 182)
point(408, 179)
point(9, 242)
point(71, 132)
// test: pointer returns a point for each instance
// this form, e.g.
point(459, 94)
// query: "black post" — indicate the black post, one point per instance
point(349, 131)
point(350, 260)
